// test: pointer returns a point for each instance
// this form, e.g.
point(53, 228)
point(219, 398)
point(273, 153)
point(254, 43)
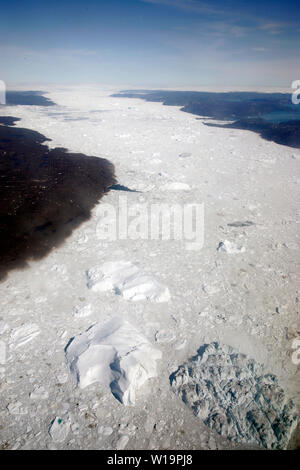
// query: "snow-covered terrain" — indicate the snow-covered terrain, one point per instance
point(241, 289)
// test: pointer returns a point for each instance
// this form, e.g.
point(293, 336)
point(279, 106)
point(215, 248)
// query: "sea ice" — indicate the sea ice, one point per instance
point(2, 352)
point(3, 327)
point(164, 336)
point(230, 247)
point(59, 429)
point(114, 354)
point(210, 289)
point(185, 155)
point(39, 393)
point(23, 334)
point(180, 344)
point(105, 430)
point(122, 442)
point(125, 279)
point(176, 186)
point(82, 311)
point(17, 408)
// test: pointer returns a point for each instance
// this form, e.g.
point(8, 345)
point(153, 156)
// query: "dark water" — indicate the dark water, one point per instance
point(28, 98)
point(281, 116)
point(120, 187)
point(44, 194)
point(272, 115)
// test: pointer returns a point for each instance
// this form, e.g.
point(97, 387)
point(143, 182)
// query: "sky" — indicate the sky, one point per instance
point(144, 43)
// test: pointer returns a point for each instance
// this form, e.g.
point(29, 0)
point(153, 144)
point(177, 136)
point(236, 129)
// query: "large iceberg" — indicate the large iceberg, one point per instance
point(114, 354)
point(125, 279)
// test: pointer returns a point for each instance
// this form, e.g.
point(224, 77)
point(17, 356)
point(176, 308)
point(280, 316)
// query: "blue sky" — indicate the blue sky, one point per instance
point(161, 43)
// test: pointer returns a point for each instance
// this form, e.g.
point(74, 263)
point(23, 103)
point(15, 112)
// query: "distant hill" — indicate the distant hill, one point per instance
point(246, 109)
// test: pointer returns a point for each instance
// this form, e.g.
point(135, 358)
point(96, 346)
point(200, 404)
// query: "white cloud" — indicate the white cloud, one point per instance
point(274, 27)
point(188, 5)
point(18, 51)
point(259, 49)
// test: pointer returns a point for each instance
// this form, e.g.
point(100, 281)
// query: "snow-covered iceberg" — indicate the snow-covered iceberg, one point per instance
point(125, 279)
point(114, 354)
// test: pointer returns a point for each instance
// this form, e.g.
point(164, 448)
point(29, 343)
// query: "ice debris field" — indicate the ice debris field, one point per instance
point(142, 344)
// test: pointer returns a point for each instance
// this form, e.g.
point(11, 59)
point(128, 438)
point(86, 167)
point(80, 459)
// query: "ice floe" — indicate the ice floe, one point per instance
point(114, 354)
point(82, 311)
point(23, 334)
point(39, 393)
point(230, 247)
point(125, 279)
point(105, 430)
point(59, 429)
point(164, 336)
point(210, 289)
point(17, 408)
point(122, 442)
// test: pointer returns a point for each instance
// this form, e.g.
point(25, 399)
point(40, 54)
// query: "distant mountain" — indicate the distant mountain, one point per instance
point(284, 133)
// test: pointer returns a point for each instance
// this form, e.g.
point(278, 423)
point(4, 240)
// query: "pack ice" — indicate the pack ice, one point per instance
point(114, 354)
point(23, 334)
point(230, 247)
point(125, 279)
point(175, 186)
point(232, 395)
